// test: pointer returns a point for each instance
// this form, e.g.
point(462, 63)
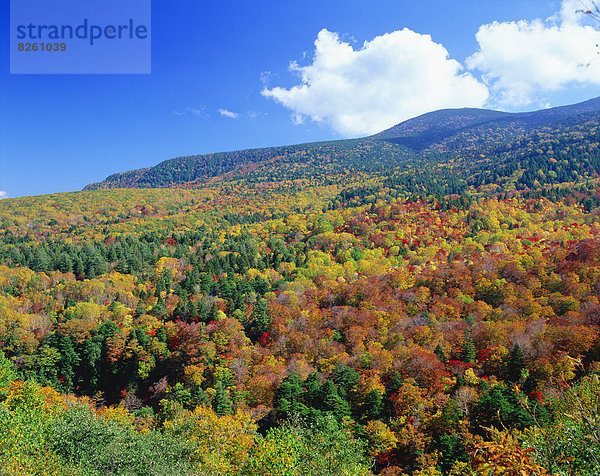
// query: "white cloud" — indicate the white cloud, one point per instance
point(264, 77)
point(198, 112)
point(523, 60)
point(230, 114)
point(392, 78)
point(194, 111)
point(3, 194)
point(256, 114)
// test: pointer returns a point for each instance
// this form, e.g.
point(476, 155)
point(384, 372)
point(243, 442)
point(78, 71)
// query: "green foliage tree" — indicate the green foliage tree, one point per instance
point(221, 402)
point(515, 364)
point(469, 352)
point(373, 406)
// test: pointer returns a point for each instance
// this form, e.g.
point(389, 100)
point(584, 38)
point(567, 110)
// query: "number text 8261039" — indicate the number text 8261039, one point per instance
point(42, 46)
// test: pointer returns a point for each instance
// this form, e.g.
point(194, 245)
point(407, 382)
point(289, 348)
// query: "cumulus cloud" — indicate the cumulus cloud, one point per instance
point(3, 194)
point(389, 79)
point(522, 60)
point(230, 114)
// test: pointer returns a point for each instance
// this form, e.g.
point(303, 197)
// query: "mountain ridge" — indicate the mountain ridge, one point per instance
point(452, 131)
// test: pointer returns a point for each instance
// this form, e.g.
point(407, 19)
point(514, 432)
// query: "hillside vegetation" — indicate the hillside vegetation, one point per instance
point(425, 301)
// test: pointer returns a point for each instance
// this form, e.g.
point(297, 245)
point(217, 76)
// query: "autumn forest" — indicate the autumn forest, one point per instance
point(425, 301)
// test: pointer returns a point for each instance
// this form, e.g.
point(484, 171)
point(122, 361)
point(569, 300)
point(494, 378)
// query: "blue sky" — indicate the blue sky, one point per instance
point(221, 80)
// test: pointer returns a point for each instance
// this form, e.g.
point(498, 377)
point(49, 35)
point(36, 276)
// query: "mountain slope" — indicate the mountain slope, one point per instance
point(434, 127)
point(259, 165)
point(464, 140)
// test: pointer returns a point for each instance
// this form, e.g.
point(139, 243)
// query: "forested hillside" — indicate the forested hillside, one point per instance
point(425, 301)
point(455, 144)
